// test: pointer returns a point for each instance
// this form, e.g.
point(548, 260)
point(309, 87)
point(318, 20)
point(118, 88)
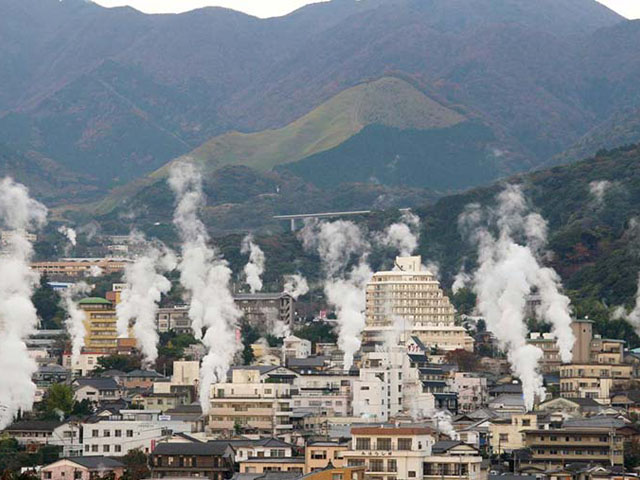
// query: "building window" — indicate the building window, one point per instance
point(106, 433)
point(336, 476)
point(392, 465)
point(47, 474)
point(77, 475)
point(105, 448)
point(404, 444)
point(118, 448)
point(129, 433)
point(376, 465)
point(94, 448)
point(318, 455)
point(94, 433)
point(383, 444)
point(504, 437)
point(412, 474)
point(363, 444)
point(118, 433)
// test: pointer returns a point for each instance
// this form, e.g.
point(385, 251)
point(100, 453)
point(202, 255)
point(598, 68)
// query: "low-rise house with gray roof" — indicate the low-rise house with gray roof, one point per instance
point(96, 389)
point(212, 460)
point(82, 468)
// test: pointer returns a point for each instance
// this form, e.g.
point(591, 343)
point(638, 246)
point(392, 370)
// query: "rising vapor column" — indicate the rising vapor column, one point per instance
point(18, 318)
point(206, 277)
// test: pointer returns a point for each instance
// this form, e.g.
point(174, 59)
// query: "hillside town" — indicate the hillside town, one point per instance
point(428, 395)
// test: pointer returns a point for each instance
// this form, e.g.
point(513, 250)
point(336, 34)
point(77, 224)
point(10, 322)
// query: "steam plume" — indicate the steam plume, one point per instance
point(460, 281)
point(18, 318)
point(75, 318)
point(403, 235)
point(70, 233)
point(598, 189)
point(206, 277)
point(295, 285)
point(443, 423)
point(336, 243)
point(254, 269)
point(139, 302)
point(507, 273)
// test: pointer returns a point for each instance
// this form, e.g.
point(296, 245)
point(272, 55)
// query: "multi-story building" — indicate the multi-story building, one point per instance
point(128, 430)
point(211, 460)
point(83, 468)
point(318, 455)
point(294, 347)
point(409, 298)
point(174, 318)
point(453, 459)
point(596, 381)
point(264, 464)
point(471, 389)
point(267, 447)
point(256, 399)
point(390, 452)
point(100, 325)
point(506, 434)
point(262, 308)
point(86, 362)
point(80, 267)
point(96, 390)
point(324, 394)
point(558, 447)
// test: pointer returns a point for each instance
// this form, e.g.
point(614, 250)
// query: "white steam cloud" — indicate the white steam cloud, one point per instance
point(206, 277)
point(461, 280)
point(18, 317)
point(507, 273)
point(295, 285)
point(75, 318)
point(442, 420)
point(598, 189)
point(403, 236)
point(70, 233)
point(336, 243)
point(139, 300)
point(254, 269)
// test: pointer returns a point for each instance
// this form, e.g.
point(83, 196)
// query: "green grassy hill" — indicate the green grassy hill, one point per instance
point(388, 101)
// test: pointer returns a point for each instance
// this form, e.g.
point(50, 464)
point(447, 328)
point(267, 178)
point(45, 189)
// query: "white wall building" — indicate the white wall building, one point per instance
point(128, 430)
point(295, 347)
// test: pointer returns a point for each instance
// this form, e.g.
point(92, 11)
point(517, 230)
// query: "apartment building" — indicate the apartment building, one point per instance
point(390, 452)
point(595, 381)
point(80, 267)
point(324, 394)
point(558, 447)
point(119, 433)
point(262, 308)
point(174, 318)
point(507, 434)
point(409, 298)
point(319, 455)
point(256, 400)
point(451, 458)
point(471, 389)
point(211, 460)
point(264, 464)
point(86, 362)
point(100, 325)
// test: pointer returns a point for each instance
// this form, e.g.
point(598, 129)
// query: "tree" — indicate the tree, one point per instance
point(58, 401)
point(466, 361)
point(125, 363)
point(83, 407)
point(249, 336)
point(136, 463)
point(464, 300)
point(317, 332)
point(481, 325)
point(47, 303)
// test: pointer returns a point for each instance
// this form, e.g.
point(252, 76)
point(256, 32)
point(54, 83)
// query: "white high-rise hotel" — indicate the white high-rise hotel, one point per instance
point(409, 300)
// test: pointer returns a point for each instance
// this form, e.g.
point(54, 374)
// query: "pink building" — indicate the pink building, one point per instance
point(471, 389)
point(82, 468)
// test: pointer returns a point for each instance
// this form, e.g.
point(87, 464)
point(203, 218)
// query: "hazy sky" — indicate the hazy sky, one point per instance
point(273, 8)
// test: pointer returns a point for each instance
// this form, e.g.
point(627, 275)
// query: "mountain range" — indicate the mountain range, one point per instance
point(435, 95)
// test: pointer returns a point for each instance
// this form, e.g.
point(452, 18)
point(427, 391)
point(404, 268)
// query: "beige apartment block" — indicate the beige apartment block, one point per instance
point(409, 298)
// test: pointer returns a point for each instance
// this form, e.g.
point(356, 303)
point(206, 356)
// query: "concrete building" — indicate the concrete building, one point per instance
point(100, 325)
point(506, 434)
point(453, 459)
point(96, 389)
point(33, 433)
point(471, 389)
point(128, 430)
point(390, 451)
point(267, 447)
point(324, 394)
point(86, 363)
point(319, 455)
point(83, 468)
point(174, 318)
point(294, 347)
point(595, 381)
point(263, 308)
point(256, 400)
point(409, 298)
point(337, 473)
point(80, 267)
point(558, 447)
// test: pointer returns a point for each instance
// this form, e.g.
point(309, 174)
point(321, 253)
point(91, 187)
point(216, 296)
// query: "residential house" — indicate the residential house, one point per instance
point(260, 448)
point(471, 389)
point(294, 347)
point(96, 389)
point(264, 464)
point(83, 468)
point(507, 433)
point(213, 460)
point(33, 433)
